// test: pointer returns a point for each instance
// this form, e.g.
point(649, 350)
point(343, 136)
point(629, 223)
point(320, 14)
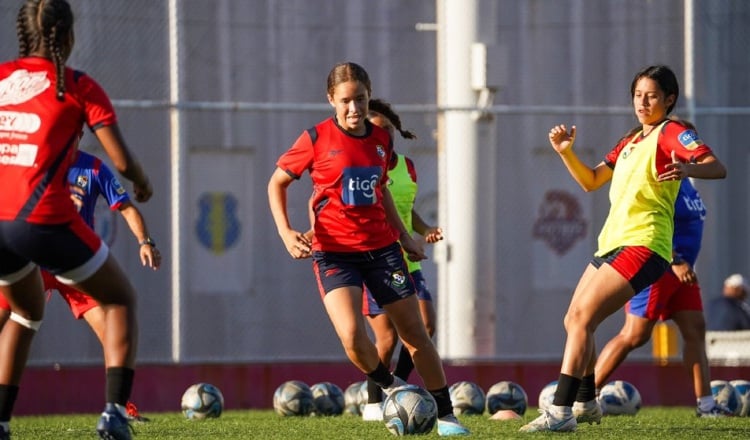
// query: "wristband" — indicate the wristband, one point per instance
point(148, 241)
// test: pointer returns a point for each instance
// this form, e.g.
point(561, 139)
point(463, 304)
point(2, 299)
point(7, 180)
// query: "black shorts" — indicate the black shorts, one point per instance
point(383, 270)
point(71, 251)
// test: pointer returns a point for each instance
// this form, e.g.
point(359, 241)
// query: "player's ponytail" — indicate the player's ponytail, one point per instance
point(385, 109)
point(46, 27)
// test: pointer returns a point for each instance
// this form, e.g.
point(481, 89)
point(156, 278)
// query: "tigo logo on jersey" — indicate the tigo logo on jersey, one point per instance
point(690, 140)
point(359, 185)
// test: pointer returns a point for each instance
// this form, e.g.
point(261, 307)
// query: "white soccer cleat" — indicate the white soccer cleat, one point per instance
point(547, 421)
point(450, 426)
point(588, 412)
point(373, 412)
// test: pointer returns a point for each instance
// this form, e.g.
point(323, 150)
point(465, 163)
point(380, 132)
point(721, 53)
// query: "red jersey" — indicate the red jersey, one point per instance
point(39, 134)
point(347, 172)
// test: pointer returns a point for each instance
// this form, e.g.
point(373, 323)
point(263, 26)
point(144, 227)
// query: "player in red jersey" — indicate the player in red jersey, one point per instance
point(90, 178)
point(43, 107)
point(356, 232)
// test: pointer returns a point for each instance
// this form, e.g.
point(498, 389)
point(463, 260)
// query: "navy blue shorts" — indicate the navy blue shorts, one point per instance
point(383, 270)
point(371, 308)
point(71, 251)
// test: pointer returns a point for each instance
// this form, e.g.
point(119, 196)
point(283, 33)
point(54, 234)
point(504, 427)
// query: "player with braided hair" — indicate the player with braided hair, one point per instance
point(45, 105)
point(402, 184)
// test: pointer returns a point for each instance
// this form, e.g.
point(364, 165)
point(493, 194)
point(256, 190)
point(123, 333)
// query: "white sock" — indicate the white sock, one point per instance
point(706, 403)
point(5, 426)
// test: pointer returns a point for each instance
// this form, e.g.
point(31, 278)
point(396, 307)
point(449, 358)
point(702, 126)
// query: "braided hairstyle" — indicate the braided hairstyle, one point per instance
point(45, 27)
point(385, 109)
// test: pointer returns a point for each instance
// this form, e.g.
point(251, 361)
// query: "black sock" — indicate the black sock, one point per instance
point(8, 395)
point(381, 376)
point(404, 365)
point(374, 392)
point(443, 400)
point(567, 388)
point(119, 384)
point(587, 390)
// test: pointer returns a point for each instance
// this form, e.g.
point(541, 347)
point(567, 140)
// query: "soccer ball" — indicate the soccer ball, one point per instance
point(467, 398)
point(408, 410)
point(352, 400)
point(507, 395)
point(328, 399)
point(743, 388)
point(363, 397)
point(202, 401)
point(619, 398)
point(726, 395)
point(547, 395)
point(293, 398)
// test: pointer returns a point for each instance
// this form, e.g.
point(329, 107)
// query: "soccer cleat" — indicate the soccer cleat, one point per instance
point(132, 413)
point(716, 412)
point(4, 433)
point(547, 421)
point(373, 412)
point(397, 382)
point(113, 424)
point(449, 425)
point(588, 412)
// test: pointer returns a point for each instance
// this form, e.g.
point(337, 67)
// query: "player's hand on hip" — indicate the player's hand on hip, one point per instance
point(414, 250)
point(297, 244)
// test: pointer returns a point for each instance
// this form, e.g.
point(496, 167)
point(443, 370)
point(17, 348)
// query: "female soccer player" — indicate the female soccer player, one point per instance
point(46, 105)
point(677, 296)
point(356, 233)
point(635, 244)
point(88, 179)
point(402, 184)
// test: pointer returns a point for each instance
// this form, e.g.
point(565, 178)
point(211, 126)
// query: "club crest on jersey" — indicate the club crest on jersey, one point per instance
point(399, 279)
point(82, 181)
point(627, 150)
point(359, 185)
point(381, 151)
point(689, 139)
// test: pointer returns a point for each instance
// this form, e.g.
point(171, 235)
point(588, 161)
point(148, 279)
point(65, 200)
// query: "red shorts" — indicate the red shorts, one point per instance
point(79, 302)
point(638, 264)
point(665, 297)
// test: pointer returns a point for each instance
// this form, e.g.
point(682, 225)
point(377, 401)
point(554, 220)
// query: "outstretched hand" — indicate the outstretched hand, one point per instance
point(560, 139)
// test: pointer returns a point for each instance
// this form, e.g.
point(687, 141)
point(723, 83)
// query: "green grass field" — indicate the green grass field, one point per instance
point(650, 423)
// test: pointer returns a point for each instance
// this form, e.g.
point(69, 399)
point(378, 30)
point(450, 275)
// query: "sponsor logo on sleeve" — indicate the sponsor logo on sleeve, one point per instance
point(689, 139)
point(117, 186)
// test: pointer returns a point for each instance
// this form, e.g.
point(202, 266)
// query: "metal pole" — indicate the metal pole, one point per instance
point(461, 327)
point(177, 181)
point(689, 37)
